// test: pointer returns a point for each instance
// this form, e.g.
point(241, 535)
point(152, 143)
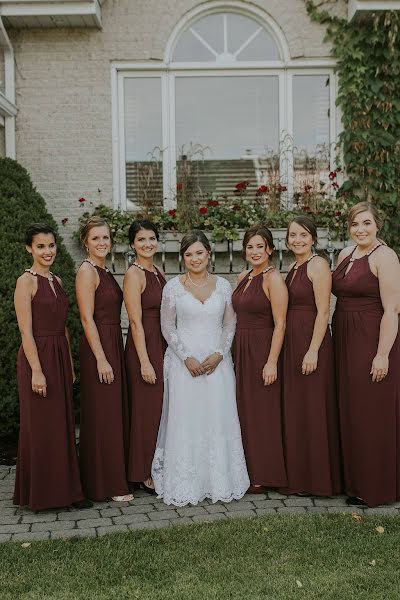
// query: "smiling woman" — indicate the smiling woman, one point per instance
point(199, 451)
point(104, 408)
point(45, 375)
point(144, 351)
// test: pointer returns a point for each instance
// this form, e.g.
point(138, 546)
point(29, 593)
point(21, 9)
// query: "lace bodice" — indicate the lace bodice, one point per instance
point(193, 328)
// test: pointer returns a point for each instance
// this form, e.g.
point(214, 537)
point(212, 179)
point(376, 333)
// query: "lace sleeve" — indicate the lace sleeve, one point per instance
point(168, 321)
point(229, 321)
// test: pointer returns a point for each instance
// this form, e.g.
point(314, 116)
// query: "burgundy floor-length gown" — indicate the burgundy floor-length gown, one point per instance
point(310, 411)
point(369, 411)
point(259, 406)
point(103, 447)
point(47, 466)
point(145, 399)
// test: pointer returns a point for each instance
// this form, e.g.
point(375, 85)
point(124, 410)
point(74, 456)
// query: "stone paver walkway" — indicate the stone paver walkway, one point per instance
point(147, 512)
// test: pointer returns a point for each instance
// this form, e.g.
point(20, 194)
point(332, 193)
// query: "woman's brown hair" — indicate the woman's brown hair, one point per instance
point(191, 238)
point(263, 232)
point(90, 224)
point(306, 223)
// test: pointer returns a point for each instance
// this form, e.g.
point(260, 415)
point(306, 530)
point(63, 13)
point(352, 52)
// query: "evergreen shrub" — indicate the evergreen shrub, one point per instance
point(20, 205)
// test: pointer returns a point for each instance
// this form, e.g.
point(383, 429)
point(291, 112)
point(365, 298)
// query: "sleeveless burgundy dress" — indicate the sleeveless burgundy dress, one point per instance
point(145, 399)
point(310, 412)
point(369, 411)
point(259, 406)
point(47, 467)
point(104, 407)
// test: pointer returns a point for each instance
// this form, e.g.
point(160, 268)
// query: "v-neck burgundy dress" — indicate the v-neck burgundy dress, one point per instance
point(103, 444)
point(259, 406)
point(310, 411)
point(145, 399)
point(47, 467)
point(369, 411)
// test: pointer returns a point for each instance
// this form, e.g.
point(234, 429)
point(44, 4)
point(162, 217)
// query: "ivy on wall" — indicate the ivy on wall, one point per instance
point(367, 51)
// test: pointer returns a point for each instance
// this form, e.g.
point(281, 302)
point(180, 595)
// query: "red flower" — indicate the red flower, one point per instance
point(335, 185)
point(179, 186)
point(263, 189)
point(82, 200)
point(307, 188)
point(242, 185)
point(64, 221)
point(332, 175)
point(306, 208)
point(172, 213)
point(281, 188)
point(236, 207)
point(213, 203)
point(338, 213)
point(203, 210)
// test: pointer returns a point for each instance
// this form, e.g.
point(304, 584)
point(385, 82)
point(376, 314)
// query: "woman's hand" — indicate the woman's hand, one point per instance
point(270, 372)
point(310, 362)
point(380, 367)
point(39, 384)
point(194, 367)
point(104, 369)
point(211, 362)
point(148, 373)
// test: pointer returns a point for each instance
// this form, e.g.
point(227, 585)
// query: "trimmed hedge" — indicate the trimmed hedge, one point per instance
point(20, 205)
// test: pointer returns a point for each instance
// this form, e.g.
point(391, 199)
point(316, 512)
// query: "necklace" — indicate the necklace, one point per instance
point(199, 284)
point(353, 258)
point(296, 265)
point(251, 274)
point(91, 262)
point(155, 272)
point(50, 276)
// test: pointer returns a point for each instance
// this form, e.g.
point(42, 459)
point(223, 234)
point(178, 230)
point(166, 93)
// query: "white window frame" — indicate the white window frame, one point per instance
point(167, 71)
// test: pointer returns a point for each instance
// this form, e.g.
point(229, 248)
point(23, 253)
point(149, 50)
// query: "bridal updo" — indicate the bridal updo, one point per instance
point(191, 238)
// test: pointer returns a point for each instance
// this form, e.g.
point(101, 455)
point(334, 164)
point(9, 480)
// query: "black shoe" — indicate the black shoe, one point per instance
point(85, 503)
point(355, 501)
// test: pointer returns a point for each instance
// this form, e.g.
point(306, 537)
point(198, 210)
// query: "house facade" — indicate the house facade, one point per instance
point(97, 97)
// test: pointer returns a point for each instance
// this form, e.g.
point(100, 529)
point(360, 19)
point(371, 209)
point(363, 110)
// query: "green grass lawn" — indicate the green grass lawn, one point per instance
point(274, 557)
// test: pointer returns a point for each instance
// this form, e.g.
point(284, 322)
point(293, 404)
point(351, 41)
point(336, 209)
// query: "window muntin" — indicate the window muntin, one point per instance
point(226, 38)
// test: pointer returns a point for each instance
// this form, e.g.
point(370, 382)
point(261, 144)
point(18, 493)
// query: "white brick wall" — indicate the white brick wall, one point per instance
point(64, 91)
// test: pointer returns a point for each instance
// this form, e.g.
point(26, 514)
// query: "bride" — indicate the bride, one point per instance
point(199, 451)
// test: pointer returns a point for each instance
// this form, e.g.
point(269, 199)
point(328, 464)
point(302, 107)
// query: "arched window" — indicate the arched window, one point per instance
point(225, 98)
point(225, 38)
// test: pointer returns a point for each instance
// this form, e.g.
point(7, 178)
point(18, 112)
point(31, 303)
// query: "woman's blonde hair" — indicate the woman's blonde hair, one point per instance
point(90, 224)
point(364, 207)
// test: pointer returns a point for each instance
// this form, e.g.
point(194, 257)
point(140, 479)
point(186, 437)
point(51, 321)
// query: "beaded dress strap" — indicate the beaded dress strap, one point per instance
point(106, 269)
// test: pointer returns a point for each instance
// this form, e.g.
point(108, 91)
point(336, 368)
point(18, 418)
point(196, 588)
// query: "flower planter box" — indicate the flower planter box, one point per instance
point(169, 244)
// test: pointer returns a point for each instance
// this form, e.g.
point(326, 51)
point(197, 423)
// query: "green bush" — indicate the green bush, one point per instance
point(20, 205)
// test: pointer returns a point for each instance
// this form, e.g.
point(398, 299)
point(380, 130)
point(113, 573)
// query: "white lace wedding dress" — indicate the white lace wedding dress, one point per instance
point(199, 451)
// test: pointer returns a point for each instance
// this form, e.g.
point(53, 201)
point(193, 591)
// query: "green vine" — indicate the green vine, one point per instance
point(367, 51)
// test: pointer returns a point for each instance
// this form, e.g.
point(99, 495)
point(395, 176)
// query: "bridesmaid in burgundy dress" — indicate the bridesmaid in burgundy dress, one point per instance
point(144, 352)
point(260, 301)
point(367, 347)
point(104, 408)
point(310, 413)
point(47, 467)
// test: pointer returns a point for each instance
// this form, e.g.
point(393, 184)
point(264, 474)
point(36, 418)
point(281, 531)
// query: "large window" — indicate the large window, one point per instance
point(227, 98)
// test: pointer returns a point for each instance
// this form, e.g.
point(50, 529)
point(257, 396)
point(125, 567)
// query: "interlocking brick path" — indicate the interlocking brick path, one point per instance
point(147, 512)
